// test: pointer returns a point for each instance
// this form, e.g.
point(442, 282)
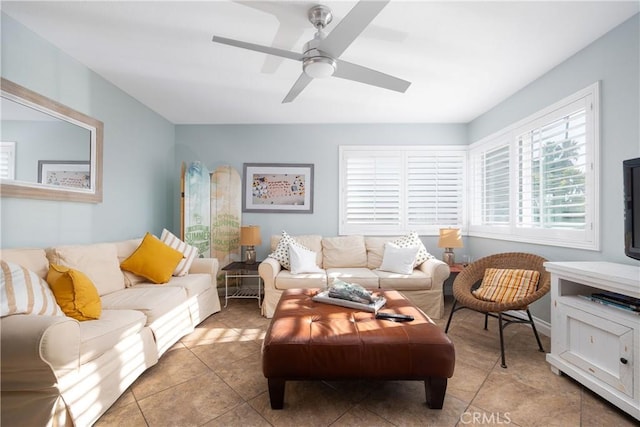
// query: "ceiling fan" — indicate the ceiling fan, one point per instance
point(320, 57)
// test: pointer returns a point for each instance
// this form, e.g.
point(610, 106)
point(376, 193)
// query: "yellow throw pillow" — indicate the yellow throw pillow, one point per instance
point(507, 285)
point(76, 295)
point(153, 260)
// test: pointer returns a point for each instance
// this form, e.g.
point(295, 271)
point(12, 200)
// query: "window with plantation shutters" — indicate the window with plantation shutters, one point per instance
point(7, 160)
point(537, 180)
point(393, 190)
point(553, 166)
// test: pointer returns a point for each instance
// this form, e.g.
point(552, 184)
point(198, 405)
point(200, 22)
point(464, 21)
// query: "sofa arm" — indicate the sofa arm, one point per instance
point(36, 350)
point(268, 270)
point(206, 266)
point(438, 271)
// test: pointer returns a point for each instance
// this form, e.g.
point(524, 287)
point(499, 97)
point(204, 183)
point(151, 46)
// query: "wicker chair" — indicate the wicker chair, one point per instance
point(473, 274)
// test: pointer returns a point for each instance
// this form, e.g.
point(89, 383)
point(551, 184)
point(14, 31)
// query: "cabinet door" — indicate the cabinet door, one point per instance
point(599, 346)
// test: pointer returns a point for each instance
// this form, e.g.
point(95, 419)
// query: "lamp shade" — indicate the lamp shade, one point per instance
point(250, 235)
point(450, 238)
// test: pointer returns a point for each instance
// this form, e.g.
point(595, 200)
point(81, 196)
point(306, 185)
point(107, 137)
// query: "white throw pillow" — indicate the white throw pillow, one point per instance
point(398, 260)
point(189, 252)
point(281, 253)
point(23, 292)
point(410, 240)
point(302, 260)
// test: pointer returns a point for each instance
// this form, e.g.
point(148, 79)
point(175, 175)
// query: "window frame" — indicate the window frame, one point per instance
point(589, 237)
point(9, 147)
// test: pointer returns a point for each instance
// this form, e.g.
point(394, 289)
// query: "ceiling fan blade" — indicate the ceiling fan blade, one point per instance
point(285, 37)
point(259, 48)
point(349, 71)
point(298, 86)
point(351, 26)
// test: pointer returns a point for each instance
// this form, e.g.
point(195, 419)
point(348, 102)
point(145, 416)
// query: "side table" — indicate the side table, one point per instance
point(241, 270)
point(455, 269)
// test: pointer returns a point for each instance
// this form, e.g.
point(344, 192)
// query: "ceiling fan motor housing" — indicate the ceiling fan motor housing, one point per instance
point(320, 16)
point(316, 63)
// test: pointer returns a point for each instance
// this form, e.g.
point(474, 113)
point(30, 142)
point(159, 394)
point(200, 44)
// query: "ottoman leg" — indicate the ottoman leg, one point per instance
point(276, 392)
point(435, 389)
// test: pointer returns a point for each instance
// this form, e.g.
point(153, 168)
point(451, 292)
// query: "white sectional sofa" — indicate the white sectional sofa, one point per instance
point(355, 259)
point(56, 370)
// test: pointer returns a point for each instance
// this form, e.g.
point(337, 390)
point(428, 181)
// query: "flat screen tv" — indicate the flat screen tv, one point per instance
point(631, 169)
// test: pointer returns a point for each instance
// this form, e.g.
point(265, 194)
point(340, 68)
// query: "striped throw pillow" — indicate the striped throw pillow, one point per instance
point(23, 292)
point(507, 285)
point(189, 252)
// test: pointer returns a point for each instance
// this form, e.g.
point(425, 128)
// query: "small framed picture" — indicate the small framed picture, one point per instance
point(277, 187)
point(65, 173)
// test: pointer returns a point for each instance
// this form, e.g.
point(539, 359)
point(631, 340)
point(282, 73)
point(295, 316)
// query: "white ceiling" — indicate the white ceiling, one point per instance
point(462, 58)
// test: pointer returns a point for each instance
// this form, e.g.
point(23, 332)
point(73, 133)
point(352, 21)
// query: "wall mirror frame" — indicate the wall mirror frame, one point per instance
point(33, 190)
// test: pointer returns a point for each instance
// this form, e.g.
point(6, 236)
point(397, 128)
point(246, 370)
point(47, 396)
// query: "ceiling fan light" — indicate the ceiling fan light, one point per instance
point(319, 67)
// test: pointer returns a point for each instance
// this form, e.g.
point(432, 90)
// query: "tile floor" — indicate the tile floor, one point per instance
point(213, 377)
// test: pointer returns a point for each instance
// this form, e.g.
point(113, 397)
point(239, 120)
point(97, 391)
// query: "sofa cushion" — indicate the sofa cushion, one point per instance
point(153, 302)
point(286, 280)
point(361, 276)
point(153, 259)
point(23, 292)
point(33, 259)
point(98, 261)
point(344, 251)
point(76, 295)
point(397, 259)
point(193, 284)
point(404, 282)
point(99, 336)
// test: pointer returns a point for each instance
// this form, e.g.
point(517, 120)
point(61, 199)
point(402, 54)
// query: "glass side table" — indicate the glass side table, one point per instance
point(241, 270)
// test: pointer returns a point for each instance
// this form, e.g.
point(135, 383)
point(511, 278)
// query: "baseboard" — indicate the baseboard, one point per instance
point(543, 327)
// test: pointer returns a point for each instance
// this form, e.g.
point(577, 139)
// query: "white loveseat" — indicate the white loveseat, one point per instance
point(56, 370)
point(355, 259)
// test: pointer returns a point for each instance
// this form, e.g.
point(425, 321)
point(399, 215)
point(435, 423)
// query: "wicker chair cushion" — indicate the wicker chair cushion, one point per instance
point(507, 285)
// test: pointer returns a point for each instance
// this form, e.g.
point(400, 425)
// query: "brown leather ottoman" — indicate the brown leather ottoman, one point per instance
point(309, 340)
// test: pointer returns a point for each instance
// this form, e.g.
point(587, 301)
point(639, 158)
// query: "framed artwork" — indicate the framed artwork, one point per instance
point(65, 173)
point(277, 187)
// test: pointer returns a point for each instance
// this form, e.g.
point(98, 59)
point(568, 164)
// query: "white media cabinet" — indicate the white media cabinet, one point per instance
point(596, 344)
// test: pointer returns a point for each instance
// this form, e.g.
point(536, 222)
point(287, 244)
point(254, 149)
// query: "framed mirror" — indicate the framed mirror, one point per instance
point(48, 150)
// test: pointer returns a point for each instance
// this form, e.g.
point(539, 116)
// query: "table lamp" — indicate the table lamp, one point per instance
point(450, 238)
point(249, 237)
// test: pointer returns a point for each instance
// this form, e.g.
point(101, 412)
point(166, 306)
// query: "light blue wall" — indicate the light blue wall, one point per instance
point(234, 145)
point(138, 152)
point(614, 61)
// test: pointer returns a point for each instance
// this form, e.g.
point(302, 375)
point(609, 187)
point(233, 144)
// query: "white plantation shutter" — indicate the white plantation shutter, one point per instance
point(435, 188)
point(373, 190)
point(494, 185)
point(537, 180)
point(7, 160)
point(552, 183)
point(393, 190)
